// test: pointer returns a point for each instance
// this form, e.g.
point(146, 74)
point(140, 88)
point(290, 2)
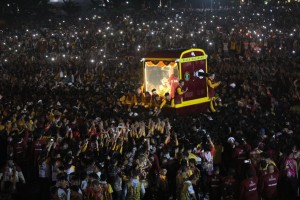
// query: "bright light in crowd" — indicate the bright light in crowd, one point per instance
point(92, 61)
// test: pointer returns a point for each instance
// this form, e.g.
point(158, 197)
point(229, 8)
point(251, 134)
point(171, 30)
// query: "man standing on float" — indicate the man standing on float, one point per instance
point(211, 90)
point(178, 97)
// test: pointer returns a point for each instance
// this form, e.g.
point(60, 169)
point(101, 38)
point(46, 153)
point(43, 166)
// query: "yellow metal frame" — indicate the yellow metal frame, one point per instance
point(192, 102)
point(190, 59)
point(159, 59)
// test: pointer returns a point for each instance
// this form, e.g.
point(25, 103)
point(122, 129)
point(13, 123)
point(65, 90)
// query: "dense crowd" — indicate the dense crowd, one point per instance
point(65, 134)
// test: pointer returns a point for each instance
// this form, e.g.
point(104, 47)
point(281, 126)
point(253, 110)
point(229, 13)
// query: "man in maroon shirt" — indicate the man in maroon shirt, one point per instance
point(214, 184)
point(38, 147)
point(248, 190)
point(20, 149)
point(230, 186)
point(268, 187)
point(241, 153)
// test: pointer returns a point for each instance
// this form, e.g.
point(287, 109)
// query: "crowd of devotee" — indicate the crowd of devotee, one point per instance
point(72, 125)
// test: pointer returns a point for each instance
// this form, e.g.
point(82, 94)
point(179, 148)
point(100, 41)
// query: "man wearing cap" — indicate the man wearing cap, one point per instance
point(211, 89)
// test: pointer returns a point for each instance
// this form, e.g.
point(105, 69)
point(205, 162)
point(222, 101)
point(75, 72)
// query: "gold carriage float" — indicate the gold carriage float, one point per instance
point(164, 69)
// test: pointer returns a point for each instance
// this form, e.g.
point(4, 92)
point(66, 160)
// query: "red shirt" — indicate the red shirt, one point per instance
point(214, 187)
point(240, 153)
point(20, 148)
point(229, 187)
point(269, 185)
point(248, 189)
point(173, 81)
point(38, 147)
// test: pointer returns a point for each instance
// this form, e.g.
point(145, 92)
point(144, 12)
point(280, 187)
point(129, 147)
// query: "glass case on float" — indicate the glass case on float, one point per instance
point(162, 76)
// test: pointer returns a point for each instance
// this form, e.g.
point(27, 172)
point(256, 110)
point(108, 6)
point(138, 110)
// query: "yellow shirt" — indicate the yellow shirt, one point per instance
point(165, 101)
point(192, 156)
point(212, 85)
